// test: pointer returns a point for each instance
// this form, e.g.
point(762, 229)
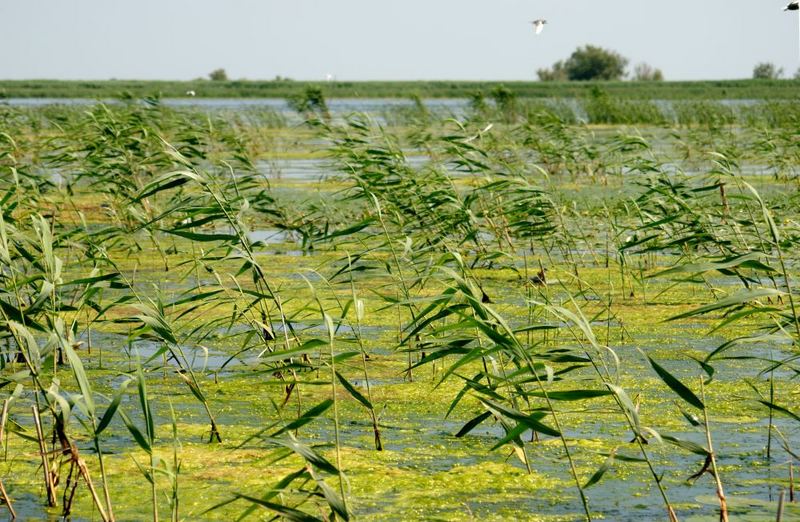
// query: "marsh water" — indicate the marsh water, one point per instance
point(306, 232)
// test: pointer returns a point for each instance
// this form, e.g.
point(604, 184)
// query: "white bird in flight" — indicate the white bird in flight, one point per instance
point(538, 25)
point(190, 93)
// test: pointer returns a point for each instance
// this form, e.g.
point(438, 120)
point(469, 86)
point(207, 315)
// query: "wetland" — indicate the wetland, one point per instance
point(473, 309)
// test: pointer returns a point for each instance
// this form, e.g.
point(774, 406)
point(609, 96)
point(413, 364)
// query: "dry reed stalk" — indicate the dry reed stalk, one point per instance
point(52, 500)
point(7, 501)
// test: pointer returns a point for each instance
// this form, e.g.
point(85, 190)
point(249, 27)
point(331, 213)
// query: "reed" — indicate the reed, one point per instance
point(593, 302)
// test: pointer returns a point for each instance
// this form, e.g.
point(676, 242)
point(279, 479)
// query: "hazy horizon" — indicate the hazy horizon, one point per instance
point(357, 40)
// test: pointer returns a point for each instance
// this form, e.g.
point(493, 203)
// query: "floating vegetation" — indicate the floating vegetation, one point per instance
point(510, 313)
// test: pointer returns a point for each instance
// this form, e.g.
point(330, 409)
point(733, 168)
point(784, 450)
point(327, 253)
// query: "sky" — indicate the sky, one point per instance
point(385, 40)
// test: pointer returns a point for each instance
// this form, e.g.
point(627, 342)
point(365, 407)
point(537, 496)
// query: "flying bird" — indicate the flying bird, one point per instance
point(190, 93)
point(538, 25)
point(793, 6)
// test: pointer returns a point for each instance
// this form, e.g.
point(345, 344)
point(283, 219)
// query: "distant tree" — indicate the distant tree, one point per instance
point(767, 71)
point(557, 73)
point(218, 75)
point(797, 75)
point(644, 72)
point(595, 63)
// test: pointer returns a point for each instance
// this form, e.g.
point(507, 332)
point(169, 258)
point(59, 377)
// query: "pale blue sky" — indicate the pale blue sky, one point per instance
point(384, 40)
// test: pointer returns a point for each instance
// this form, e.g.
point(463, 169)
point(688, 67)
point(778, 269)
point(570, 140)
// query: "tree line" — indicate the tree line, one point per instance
point(591, 62)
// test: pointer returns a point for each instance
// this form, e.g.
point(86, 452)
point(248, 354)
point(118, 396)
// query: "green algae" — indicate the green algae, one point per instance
point(425, 472)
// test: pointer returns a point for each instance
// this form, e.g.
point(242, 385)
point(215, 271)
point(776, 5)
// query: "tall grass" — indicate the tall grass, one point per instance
point(282, 87)
point(496, 262)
